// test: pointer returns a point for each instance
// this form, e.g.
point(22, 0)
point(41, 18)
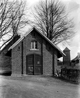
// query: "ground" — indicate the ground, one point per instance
point(36, 87)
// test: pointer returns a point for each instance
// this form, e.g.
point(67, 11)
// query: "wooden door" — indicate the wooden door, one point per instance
point(33, 64)
point(37, 64)
point(30, 64)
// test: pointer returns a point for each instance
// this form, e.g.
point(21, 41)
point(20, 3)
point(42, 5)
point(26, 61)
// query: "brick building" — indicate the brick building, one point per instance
point(5, 56)
point(34, 54)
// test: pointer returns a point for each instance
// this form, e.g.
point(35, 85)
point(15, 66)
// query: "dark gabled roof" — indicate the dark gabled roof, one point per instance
point(53, 45)
point(10, 43)
point(66, 49)
point(76, 58)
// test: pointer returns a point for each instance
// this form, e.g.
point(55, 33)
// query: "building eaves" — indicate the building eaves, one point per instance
point(18, 41)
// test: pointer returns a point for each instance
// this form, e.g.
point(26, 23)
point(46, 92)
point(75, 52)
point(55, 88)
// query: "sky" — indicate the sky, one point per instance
point(73, 8)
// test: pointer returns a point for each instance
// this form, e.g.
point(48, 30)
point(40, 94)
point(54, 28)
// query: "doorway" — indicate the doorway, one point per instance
point(33, 64)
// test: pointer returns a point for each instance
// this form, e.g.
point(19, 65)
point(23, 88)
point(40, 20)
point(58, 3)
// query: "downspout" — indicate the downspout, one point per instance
point(22, 58)
point(42, 57)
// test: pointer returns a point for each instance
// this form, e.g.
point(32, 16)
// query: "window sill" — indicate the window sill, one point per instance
point(34, 49)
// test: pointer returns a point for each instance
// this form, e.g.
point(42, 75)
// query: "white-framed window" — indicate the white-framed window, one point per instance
point(34, 45)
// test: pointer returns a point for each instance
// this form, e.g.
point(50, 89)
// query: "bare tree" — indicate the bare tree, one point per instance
point(11, 18)
point(51, 20)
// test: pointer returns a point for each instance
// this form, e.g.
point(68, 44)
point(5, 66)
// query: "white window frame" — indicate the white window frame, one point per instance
point(33, 45)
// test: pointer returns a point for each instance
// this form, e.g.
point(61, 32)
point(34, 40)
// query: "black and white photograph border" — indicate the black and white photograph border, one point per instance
point(39, 49)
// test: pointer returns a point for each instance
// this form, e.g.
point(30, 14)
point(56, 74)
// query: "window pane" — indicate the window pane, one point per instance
point(34, 45)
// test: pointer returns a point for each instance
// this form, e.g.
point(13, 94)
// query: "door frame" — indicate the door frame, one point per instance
point(33, 55)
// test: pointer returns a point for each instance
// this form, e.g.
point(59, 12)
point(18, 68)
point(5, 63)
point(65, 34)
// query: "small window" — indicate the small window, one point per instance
point(18, 48)
point(34, 45)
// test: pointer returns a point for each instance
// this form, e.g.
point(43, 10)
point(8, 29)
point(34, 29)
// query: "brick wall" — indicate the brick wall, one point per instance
point(28, 40)
point(5, 62)
point(55, 62)
point(66, 59)
point(24, 55)
point(16, 59)
point(47, 60)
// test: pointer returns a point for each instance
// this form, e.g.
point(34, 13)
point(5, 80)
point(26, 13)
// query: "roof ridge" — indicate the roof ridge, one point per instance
point(41, 35)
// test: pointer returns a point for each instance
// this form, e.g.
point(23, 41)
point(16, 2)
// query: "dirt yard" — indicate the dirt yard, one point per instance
point(37, 87)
